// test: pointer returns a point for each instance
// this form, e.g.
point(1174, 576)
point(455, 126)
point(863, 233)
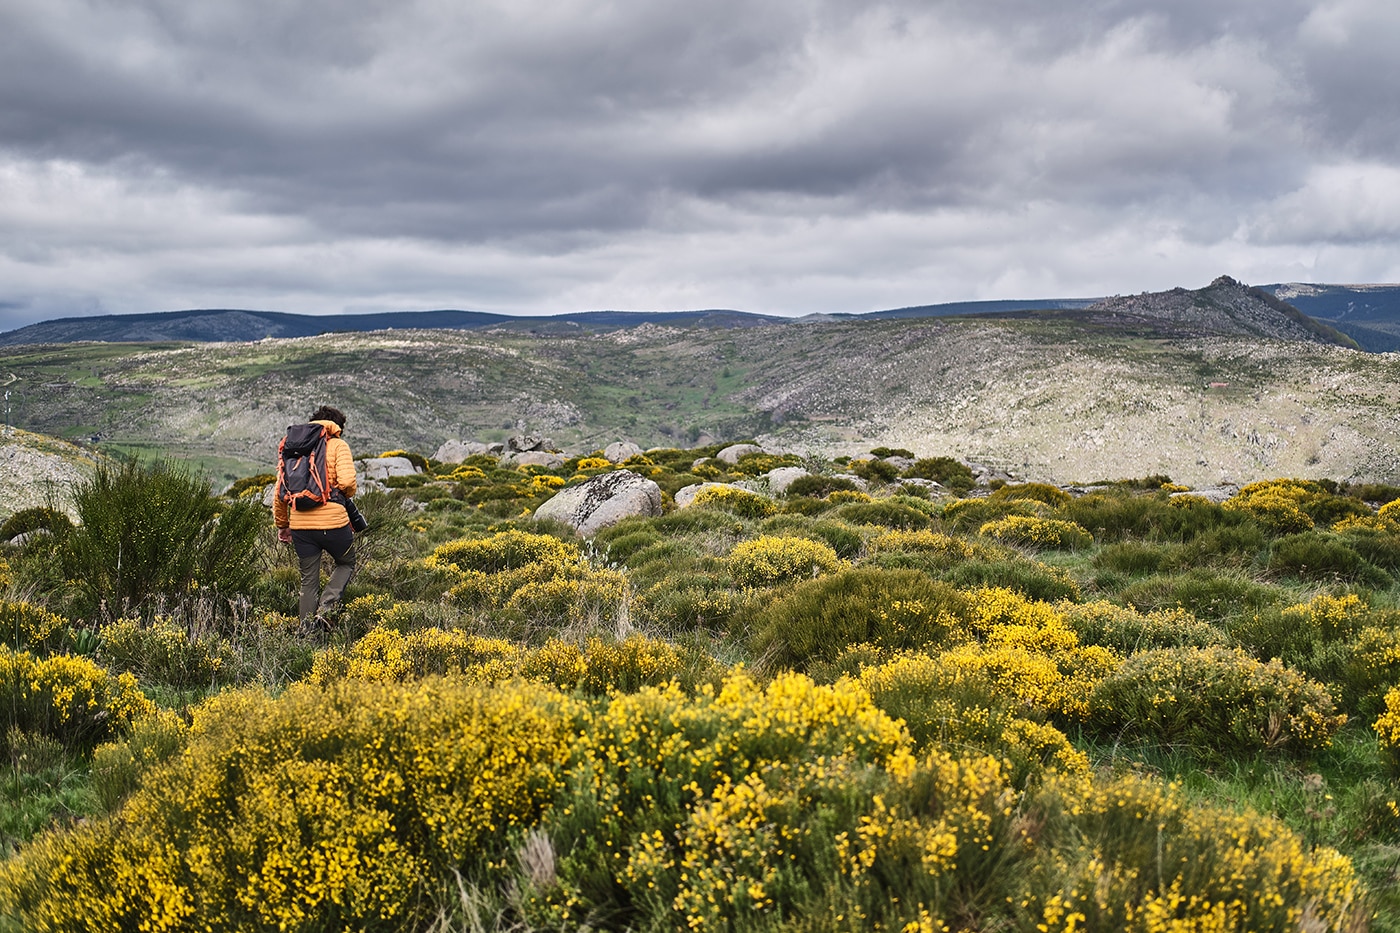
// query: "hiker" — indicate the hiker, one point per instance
point(324, 527)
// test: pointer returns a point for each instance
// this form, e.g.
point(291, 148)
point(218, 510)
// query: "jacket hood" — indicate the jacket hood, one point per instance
point(332, 429)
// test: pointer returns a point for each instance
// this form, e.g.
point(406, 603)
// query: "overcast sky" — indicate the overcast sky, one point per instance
point(539, 156)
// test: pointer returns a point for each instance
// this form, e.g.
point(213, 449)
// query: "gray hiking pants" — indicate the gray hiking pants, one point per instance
point(339, 543)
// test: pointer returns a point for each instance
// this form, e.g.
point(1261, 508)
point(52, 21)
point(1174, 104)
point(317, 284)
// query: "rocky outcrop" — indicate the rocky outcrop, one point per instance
point(523, 443)
point(33, 465)
point(603, 501)
point(783, 477)
point(454, 451)
point(621, 451)
point(540, 458)
point(385, 467)
point(733, 452)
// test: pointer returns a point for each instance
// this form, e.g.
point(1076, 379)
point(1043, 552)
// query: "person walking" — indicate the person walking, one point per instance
point(323, 529)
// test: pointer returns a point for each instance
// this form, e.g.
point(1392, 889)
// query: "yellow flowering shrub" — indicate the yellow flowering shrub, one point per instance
point(1217, 698)
point(964, 514)
point(467, 472)
point(594, 463)
point(1035, 532)
point(505, 550)
point(68, 698)
point(27, 627)
point(546, 482)
point(735, 499)
point(1278, 505)
point(328, 808)
point(1387, 727)
point(848, 495)
point(1125, 629)
point(386, 655)
point(957, 708)
point(1058, 685)
point(589, 598)
point(935, 543)
point(1052, 496)
point(1135, 854)
point(1330, 617)
point(7, 574)
point(771, 559)
point(164, 651)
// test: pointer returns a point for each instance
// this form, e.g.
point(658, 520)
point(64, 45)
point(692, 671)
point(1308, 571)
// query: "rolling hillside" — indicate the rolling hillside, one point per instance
point(1116, 390)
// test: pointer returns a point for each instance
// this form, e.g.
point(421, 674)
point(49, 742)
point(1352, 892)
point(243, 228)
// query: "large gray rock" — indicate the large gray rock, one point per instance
point(733, 452)
point(602, 501)
point(385, 467)
point(456, 451)
point(1216, 494)
point(860, 484)
point(781, 478)
point(899, 463)
point(525, 442)
point(621, 451)
point(543, 458)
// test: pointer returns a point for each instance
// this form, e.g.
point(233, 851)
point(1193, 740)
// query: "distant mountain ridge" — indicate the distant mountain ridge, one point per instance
point(1369, 315)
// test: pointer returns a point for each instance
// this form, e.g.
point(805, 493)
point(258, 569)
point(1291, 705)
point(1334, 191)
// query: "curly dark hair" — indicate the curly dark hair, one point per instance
point(327, 413)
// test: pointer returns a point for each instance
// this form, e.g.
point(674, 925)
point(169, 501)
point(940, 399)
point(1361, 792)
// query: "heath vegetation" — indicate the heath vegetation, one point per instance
point(838, 708)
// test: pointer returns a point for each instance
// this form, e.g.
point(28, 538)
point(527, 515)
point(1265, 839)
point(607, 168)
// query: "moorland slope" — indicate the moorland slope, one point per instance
point(1136, 387)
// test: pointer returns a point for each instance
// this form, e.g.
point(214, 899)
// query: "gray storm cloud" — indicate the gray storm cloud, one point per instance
point(794, 157)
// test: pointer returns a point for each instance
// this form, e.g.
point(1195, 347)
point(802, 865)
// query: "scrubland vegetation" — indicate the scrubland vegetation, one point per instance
point(834, 709)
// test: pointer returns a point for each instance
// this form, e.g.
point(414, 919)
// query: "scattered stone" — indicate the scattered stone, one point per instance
point(621, 451)
point(542, 458)
point(1216, 494)
point(932, 486)
point(781, 478)
point(454, 451)
point(733, 452)
point(861, 484)
point(603, 501)
point(385, 467)
point(523, 443)
point(496, 448)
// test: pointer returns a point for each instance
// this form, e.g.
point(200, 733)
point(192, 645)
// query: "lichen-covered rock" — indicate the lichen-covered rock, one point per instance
point(621, 451)
point(781, 478)
point(733, 452)
point(602, 501)
point(454, 451)
point(385, 467)
point(540, 458)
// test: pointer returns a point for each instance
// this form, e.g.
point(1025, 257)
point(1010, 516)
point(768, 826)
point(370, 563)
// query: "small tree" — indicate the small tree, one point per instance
point(147, 534)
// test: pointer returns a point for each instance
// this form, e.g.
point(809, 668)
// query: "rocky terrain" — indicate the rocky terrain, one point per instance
point(1129, 388)
point(35, 468)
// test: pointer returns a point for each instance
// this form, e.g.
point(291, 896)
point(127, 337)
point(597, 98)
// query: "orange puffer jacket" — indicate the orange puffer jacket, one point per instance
point(340, 471)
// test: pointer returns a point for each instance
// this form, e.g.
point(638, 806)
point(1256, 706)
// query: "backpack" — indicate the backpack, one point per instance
point(301, 467)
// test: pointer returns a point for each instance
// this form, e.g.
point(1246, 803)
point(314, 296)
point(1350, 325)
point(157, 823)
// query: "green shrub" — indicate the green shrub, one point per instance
point(36, 518)
point(842, 538)
point(1231, 544)
point(1379, 548)
point(1052, 496)
point(875, 471)
point(1316, 556)
point(1214, 698)
point(149, 534)
point(966, 515)
point(882, 512)
point(1030, 578)
point(883, 452)
point(1116, 514)
point(163, 652)
point(1206, 595)
point(621, 547)
point(1133, 557)
point(819, 487)
point(771, 559)
point(892, 609)
point(152, 739)
point(953, 475)
point(1127, 630)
